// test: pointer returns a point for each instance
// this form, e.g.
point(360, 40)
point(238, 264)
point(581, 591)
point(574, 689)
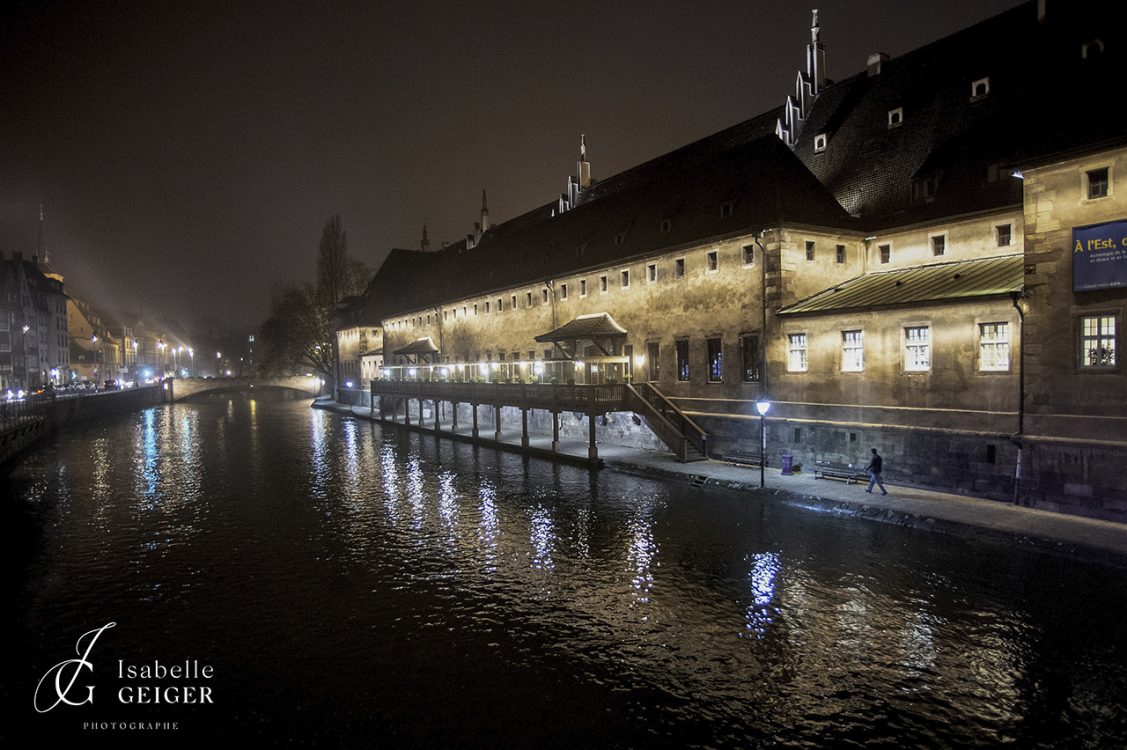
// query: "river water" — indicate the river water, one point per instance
point(353, 586)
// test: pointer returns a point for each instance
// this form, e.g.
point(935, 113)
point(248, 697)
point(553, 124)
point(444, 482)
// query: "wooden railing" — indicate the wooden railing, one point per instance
point(697, 437)
point(589, 399)
point(665, 430)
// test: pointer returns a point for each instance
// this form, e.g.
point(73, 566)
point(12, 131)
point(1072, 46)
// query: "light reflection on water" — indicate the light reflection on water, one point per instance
point(403, 572)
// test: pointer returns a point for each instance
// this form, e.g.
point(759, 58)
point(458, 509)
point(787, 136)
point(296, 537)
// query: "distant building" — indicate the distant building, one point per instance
point(927, 257)
point(34, 347)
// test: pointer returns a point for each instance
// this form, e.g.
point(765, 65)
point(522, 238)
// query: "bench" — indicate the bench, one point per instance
point(743, 458)
point(844, 472)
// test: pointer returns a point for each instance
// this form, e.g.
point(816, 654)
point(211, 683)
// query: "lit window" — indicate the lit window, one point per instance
point(840, 253)
point(993, 347)
point(895, 117)
point(917, 349)
point(713, 258)
point(979, 89)
point(563, 291)
point(1097, 341)
point(796, 352)
point(749, 254)
point(651, 272)
point(625, 279)
point(749, 357)
point(682, 360)
point(852, 351)
point(939, 244)
point(1097, 183)
point(885, 253)
point(1004, 234)
point(603, 283)
point(679, 268)
point(820, 143)
point(715, 361)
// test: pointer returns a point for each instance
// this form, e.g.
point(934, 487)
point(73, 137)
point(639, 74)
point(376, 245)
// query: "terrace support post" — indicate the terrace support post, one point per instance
point(524, 428)
point(473, 408)
point(407, 411)
point(592, 451)
point(421, 423)
point(556, 431)
point(436, 415)
point(497, 423)
point(454, 416)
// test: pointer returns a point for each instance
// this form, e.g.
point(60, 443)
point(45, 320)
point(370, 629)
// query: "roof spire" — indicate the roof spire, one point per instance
point(485, 223)
point(425, 244)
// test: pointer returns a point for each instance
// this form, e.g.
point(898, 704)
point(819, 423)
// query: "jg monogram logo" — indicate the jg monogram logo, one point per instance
point(68, 671)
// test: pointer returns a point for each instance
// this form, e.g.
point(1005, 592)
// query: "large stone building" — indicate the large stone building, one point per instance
point(34, 347)
point(888, 257)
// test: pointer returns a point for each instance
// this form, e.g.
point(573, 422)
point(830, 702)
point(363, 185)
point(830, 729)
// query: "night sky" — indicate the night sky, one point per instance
point(189, 153)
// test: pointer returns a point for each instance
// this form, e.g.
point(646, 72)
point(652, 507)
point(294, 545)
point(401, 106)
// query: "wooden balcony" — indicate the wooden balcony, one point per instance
point(591, 400)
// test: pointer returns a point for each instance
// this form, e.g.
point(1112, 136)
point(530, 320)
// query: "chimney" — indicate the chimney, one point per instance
point(485, 224)
point(425, 244)
point(875, 61)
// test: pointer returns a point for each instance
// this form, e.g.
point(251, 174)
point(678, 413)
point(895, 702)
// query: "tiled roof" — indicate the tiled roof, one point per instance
point(981, 277)
point(419, 346)
point(584, 327)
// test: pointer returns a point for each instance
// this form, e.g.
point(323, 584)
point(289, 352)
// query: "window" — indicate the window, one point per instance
point(444, 312)
point(993, 347)
point(625, 279)
point(679, 268)
point(486, 308)
point(840, 253)
point(651, 272)
point(796, 352)
point(749, 254)
point(749, 357)
point(1004, 233)
point(544, 295)
point(713, 259)
point(563, 291)
point(465, 311)
point(917, 349)
point(810, 246)
point(715, 360)
point(820, 143)
point(620, 238)
point(513, 302)
point(885, 253)
point(682, 360)
point(1097, 183)
point(895, 117)
point(1097, 341)
point(979, 89)
point(852, 351)
point(666, 226)
point(653, 356)
point(726, 209)
point(583, 287)
point(939, 244)
point(603, 283)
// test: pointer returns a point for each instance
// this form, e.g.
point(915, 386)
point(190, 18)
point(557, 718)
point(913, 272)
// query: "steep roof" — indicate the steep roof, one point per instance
point(584, 327)
point(941, 282)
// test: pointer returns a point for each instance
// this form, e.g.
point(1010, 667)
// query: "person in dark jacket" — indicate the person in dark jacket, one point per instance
point(874, 469)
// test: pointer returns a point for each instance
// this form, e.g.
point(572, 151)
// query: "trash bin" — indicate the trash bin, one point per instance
point(788, 461)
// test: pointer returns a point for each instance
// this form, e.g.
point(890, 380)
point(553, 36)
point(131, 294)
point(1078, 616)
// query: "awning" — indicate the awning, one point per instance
point(419, 346)
point(592, 326)
point(941, 282)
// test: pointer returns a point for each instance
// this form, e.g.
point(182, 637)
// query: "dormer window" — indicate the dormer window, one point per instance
point(666, 226)
point(820, 142)
point(726, 209)
point(1092, 50)
point(895, 117)
point(620, 238)
point(980, 89)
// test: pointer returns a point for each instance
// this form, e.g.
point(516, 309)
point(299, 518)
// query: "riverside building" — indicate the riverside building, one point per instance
point(928, 256)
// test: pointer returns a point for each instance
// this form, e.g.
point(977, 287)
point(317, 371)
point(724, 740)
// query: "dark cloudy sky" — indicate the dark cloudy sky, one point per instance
point(188, 153)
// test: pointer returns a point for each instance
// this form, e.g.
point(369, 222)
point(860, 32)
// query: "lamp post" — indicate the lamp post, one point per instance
point(762, 405)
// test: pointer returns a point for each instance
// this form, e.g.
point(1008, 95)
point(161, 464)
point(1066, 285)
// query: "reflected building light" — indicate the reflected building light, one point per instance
point(761, 582)
point(488, 527)
point(543, 539)
point(640, 556)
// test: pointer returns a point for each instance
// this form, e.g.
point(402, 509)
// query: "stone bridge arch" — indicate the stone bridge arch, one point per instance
point(184, 388)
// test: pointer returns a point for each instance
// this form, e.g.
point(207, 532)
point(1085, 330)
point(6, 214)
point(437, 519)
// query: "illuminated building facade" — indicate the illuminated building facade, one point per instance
point(890, 258)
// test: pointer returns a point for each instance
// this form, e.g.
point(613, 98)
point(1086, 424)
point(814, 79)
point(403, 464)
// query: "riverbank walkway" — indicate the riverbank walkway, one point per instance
point(907, 506)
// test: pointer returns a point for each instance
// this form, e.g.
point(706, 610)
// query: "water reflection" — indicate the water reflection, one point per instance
point(762, 608)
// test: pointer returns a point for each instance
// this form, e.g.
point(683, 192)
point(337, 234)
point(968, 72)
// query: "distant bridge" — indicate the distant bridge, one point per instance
point(183, 388)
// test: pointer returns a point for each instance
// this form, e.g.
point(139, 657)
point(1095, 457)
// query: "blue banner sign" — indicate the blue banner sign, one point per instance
point(1099, 256)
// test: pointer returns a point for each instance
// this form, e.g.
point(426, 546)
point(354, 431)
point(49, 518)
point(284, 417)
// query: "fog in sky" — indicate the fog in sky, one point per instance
point(187, 154)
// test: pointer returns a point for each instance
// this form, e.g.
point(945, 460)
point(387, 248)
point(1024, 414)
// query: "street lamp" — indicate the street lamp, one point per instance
point(762, 405)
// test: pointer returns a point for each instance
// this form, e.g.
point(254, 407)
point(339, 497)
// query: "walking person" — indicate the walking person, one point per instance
point(874, 469)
